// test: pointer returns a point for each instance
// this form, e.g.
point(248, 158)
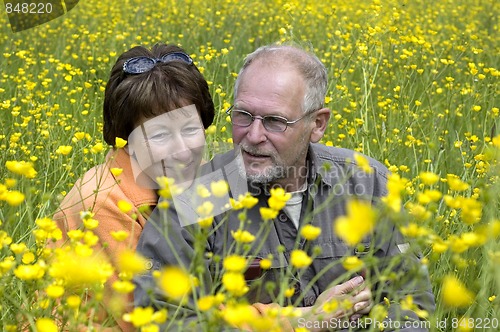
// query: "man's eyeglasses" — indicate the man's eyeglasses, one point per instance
point(274, 123)
point(142, 64)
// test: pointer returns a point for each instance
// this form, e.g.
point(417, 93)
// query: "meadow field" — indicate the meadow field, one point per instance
point(413, 84)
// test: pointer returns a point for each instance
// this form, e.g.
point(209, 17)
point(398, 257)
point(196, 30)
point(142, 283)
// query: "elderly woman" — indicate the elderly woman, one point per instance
point(160, 103)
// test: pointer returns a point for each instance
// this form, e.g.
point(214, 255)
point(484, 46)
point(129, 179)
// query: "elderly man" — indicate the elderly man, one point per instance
point(278, 118)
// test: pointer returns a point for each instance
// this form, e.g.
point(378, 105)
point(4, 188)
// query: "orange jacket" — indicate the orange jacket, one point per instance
point(99, 191)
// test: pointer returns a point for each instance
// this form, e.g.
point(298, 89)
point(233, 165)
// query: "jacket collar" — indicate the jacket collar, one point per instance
point(138, 195)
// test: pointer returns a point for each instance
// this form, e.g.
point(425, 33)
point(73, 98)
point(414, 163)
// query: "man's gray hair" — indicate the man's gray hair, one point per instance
point(309, 66)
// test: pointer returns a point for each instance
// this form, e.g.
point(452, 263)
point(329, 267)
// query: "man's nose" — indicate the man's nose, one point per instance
point(256, 132)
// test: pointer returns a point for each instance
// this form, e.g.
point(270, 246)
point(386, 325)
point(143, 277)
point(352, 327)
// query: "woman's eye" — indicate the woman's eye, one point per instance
point(191, 130)
point(158, 137)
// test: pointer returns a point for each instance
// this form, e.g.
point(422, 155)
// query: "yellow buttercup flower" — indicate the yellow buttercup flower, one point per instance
point(235, 283)
point(300, 259)
point(23, 168)
point(120, 142)
point(219, 188)
point(454, 293)
point(359, 222)
point(428, 178)
point(46, 325)
point(116, 171)
point(131, 262)
point(268, 213)
point(363, 163)
point(175, 282)
point(242, 236)
point(352, 263)
point(310, 232)
point(124, 206)
point(235, 263)
point(120, 235)
point(64, 150)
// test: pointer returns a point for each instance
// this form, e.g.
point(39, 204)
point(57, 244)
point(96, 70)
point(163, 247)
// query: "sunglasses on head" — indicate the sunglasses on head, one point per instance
point(142, 64)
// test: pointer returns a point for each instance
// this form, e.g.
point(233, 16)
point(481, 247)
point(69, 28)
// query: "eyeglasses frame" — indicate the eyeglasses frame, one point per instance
point(261, 118)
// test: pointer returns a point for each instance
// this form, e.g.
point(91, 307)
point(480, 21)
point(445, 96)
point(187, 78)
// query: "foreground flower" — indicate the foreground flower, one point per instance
point(143, 317)
point(46, 325)
point(242, 236)
point(363, 163)
point(130, 262)
point(79, 269)
point(310, 232)
point(359, 222)
point(175, 282)
point(300, 259)
point(22, 168)
point(235, 283)
point(454, 293)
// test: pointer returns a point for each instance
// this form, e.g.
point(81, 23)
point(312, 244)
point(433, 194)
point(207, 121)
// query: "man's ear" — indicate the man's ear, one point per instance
point(320, 122)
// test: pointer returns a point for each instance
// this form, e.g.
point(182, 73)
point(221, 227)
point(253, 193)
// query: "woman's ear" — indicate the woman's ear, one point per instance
point(320, 121)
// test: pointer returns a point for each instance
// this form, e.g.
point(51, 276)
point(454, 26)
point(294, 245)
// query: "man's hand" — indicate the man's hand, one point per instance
point(349, 300)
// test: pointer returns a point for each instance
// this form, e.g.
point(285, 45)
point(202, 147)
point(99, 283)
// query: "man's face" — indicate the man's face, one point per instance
point(272, 89)
point(170, 145)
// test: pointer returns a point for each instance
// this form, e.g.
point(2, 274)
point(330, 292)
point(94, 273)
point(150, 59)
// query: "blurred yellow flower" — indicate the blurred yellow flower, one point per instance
point(454, 293)
point(64, 150)
point(278, 198)
point(268, 213)
point(73, 301)
point(202, 191)
point(29, 272)
point(455, 184)
point(265, 264)
point(428, 178)
point(131, 262)
point(120, 142)
point(14, 197)
point(242, 236)
point(22, 168)
point(124, 206)
point(300, 259)
point(123, 286)
point(359, 222)
point(80, 270)
point(235, 283)
point(205, 303)
point(120, 235)
point(239, 315)
point(352, 263)
point(116, 171)
point(174, 282)
point(234, 263)
point(206, 222)
point(54, 291)
point(46, 325)
point(310, 232)
point(219, 188)
point(205, 209)
point(363, 163)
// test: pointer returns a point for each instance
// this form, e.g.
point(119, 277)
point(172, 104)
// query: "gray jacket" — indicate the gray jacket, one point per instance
point(333, 178)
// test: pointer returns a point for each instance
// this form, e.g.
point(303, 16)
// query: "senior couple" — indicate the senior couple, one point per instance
point(158, 100)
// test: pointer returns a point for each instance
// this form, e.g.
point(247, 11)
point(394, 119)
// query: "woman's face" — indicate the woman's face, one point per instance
point(170, 145)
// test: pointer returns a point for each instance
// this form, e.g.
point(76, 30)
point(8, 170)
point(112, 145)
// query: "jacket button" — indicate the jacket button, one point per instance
point(282, 217)
point(149, 264)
